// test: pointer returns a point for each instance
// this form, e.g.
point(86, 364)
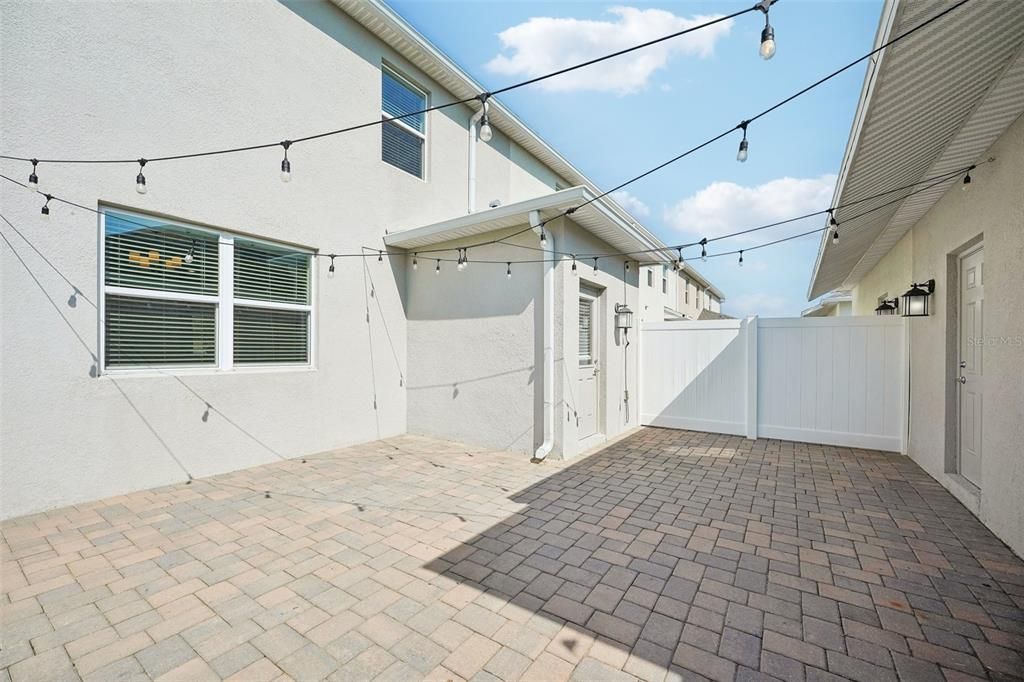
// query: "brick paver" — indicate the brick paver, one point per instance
point(668, 555)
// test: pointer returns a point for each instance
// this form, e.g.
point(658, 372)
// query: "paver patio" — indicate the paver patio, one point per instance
point(667, 555)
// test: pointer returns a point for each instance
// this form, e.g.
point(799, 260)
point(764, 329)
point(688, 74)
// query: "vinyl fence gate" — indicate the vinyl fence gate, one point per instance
point(830, 380)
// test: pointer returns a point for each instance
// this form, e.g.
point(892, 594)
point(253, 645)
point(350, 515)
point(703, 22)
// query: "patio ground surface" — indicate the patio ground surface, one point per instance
point(667, 555)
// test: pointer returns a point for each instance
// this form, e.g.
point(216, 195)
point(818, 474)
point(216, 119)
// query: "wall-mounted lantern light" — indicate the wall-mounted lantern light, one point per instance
point(623, 316)
point(915, 301)
point(888, 306)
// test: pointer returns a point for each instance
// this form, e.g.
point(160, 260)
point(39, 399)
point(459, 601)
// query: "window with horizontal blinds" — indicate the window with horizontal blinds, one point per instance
point(271, 336)
point(164, 304)
point(269, 273)
point(403, 139)
point(586, 347)
point(402, 149)
point(145, 332)
point(141, 253)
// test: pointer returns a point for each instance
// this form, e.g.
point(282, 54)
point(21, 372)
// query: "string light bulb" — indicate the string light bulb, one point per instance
point(741, 258)
point(508, 270)
point(286, 165)
point(380, 256)
point(744, 150)
point(543, 236)
point(45, 210)
point(595, 266)
point(704, 249)
point(485, 121)
point(437, 268)
point(191, 255)
point(330, 268)
point(767, 50)
point(967, 180)
point(33, 179)
point(679, 259)
point(415, 263)
point(574, 266)
point(140, 179)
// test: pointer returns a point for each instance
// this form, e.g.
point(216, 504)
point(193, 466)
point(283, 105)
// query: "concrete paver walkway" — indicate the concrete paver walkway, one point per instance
point(667, 555)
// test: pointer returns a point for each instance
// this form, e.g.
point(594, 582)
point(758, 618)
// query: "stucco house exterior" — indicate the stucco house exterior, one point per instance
point(961, 237)
point(199, 328)
point(676, 293)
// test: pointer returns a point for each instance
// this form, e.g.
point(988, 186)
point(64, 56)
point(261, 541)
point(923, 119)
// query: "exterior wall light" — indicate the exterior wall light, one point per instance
point(623, 316)
point(915, 301)
point(888, 306)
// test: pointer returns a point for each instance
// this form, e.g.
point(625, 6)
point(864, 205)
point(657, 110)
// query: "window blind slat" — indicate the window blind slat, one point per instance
point(585, 332)
point(268, 273)
point(147, 254)
point(398, 99)
point(267, 336)
point(142, 332)
point(402, 149)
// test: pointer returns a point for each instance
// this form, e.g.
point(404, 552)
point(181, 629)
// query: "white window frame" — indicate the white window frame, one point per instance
point(224, 301)
point(385, 116)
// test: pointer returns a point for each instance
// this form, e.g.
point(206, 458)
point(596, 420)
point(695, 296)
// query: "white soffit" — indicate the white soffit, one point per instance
point(594, 217)
point(938, 100)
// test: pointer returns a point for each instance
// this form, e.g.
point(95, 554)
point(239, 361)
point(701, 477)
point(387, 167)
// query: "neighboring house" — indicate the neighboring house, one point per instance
point(195, 329)
point(927, 110)
point(835, 304)
point(669, 294)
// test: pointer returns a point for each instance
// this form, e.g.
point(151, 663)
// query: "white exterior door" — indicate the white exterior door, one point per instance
point(971, 370)
point(589, 367)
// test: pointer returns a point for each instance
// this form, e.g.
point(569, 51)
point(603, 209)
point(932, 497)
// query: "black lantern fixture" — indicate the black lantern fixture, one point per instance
point(888, 306)
point(915, 301)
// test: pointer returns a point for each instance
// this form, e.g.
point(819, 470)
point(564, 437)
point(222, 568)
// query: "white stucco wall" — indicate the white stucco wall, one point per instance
point(475, 348)
point(993, 209)
point(889, 278)
point(149, 79)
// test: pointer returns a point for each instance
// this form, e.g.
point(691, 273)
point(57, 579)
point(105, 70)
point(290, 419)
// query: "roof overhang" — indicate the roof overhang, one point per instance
point(930, 104)
point(592, 215)
point(826, 305)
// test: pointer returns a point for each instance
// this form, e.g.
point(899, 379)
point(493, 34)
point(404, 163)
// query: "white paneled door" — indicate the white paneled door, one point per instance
point(971, 370)
point(589, 367)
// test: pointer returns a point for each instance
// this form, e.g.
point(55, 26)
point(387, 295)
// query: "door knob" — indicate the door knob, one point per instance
point(962, 380)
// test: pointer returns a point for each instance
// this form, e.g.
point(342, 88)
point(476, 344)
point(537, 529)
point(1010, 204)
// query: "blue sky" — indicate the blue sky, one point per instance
point(615, 120)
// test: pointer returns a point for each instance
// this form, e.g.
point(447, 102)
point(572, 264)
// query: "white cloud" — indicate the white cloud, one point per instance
point(725, 207)
point(544, 44)
point(631, 203)
point(765, 305)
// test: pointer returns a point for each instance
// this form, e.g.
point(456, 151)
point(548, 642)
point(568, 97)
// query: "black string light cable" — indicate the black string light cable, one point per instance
point(482, 98)
point(462, 251)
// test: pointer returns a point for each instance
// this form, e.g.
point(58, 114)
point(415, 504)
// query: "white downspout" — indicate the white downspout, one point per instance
point(471, 188)
point(549, 339)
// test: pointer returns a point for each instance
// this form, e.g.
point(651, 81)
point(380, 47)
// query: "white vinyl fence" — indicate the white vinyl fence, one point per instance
point(831, 380)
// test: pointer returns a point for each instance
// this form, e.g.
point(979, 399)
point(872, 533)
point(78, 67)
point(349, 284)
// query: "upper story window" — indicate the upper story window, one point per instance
point(179, 296)
point(403, 132)
point(650, 278)
point(686, 290)
point(664, 285)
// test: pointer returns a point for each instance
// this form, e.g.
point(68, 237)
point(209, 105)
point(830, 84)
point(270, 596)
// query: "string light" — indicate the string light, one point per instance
point(415, 264)
point(679, 260)
point(46, 207)
point(462, 261)
point(508, 270)
point(485, 123)
point(741, 155)
point(834, 225)
point(543, 236)
point(574, 266)
point(741, 258)
point(330, 268)
point(286, 165)
point(191, 255)
point(33, 179)
point(140, 179)
point(380, 256)
point(595, 266)
point(704, 249)
point(437, 269)
point(768, 33)
point(967, 180)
